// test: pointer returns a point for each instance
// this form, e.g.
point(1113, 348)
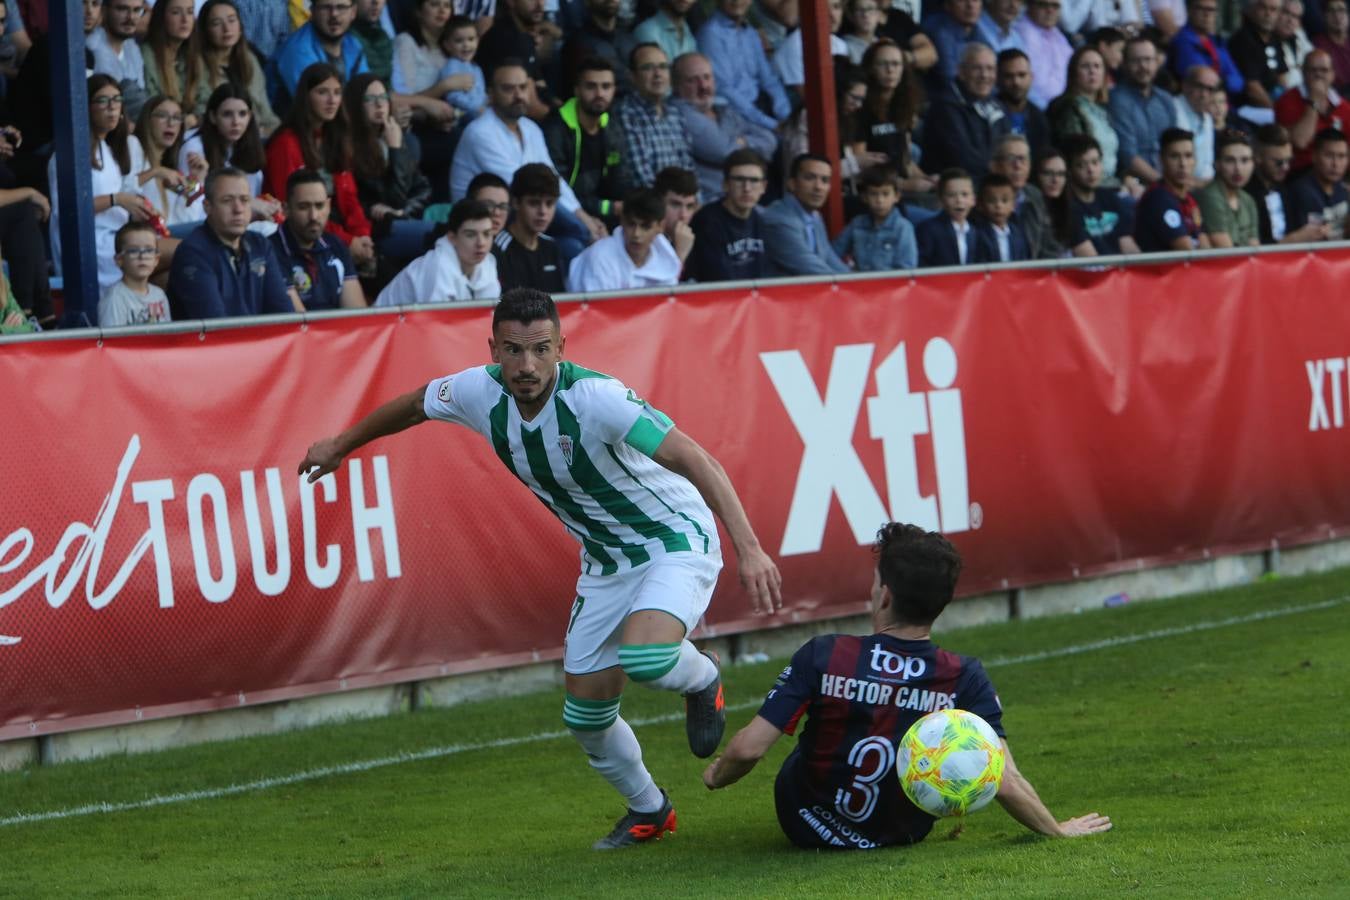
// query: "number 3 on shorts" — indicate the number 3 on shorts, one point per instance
point(577, 604)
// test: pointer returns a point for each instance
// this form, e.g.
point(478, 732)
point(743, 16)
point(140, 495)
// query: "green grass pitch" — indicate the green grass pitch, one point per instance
point(1214, 739)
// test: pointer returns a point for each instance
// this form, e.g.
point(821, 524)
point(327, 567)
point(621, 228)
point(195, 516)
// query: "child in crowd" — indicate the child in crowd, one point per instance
point(948, 239)
point(1004, 237)
point(636, 255)
point(526, 257)
point(459, 43)
point(881, 238)
point(134, 300)
point(459, 266)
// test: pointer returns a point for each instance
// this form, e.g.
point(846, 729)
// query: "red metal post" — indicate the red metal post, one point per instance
point(822, 120)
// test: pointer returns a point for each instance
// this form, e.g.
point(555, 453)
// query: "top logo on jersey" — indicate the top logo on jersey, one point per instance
point(906, 667)
point(565, 445)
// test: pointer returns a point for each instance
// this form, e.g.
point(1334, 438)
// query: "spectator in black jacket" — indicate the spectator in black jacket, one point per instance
point(385, 158)
point(586, 142)
point(965, 123)
point(729, 234)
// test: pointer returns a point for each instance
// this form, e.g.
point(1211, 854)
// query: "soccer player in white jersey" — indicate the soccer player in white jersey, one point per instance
point(639, 495)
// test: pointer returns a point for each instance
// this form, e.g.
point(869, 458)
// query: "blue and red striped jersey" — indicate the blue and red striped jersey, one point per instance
point(859, 696)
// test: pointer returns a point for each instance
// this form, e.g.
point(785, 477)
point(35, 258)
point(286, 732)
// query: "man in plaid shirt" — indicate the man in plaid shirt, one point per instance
point(655, 133)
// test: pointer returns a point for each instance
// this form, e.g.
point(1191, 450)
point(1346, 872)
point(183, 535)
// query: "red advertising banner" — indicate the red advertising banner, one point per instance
point(159, 555)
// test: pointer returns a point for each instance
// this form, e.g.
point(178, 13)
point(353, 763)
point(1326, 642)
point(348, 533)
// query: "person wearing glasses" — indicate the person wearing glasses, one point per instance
point(1199, 44)
point(1274, 154)
point(654, 132)
point(1140, 112)
point(729, 234)
point(1047, 49)
point(715, 128)
point(117, 54)
point(1311, 107)
point(134, 300)
point(1336, 41)
point(325, 38)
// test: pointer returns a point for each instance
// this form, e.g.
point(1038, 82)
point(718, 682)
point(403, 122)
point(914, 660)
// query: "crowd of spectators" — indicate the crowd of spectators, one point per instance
point(255, 156)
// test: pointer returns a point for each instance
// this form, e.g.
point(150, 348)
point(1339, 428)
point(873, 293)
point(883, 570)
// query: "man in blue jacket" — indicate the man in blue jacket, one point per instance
point(794, 232)
point(223, 269)
point(325, 38)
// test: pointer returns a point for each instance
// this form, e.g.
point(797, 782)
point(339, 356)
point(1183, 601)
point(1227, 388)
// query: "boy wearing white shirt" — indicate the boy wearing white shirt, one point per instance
point(636, 255)
point(458, 267)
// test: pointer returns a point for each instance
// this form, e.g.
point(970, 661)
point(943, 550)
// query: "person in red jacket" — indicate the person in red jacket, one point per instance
point(316, 136)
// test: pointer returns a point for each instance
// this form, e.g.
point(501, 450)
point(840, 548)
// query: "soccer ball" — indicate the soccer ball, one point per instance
point(950, 763)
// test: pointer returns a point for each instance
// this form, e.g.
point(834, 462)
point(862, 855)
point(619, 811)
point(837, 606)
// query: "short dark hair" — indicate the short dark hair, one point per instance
point(535, 180)
point(304, 176)
point(1139, 39)
point(950, 175)
point(675, 180)
point(879, 177)
point(486, 179)
point(1107, 35)
point(1328, 136)
point(744, 157)
point(1011, 54)
point(131, 228)
point(995, 180)
point(505, 62)
point(466, 211)
point(1076, 146)
point(455, 23)
point(1172, 136)
point(920, 568)
point(645, 45)
point(1228, 137)
point(1273, 136)
point(524, 305)
point(800, 158)
point(215, 175)
point(644, 206)
point(595, 63)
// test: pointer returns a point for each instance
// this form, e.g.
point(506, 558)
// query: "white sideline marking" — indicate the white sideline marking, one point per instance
point(454, 749)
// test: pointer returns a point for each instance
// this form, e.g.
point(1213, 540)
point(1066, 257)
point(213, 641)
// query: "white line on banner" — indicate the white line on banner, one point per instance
point(455, 749)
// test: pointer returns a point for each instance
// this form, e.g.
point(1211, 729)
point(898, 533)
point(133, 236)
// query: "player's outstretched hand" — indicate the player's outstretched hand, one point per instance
point(323, 457)
point(1083, 825)
point(760, 578)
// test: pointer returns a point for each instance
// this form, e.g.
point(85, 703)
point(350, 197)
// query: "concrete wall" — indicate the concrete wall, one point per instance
point(1030, 602)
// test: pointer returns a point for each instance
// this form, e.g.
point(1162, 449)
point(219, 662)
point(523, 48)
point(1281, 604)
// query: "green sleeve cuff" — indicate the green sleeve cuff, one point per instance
point(646, 436)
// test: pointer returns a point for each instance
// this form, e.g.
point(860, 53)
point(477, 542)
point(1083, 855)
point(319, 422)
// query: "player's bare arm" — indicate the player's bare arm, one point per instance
point(402, 412)
point(743, 751)
point(1022, 802)
point(682, 455)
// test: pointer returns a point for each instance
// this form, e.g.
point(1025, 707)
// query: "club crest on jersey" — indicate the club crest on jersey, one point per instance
point(565, 445)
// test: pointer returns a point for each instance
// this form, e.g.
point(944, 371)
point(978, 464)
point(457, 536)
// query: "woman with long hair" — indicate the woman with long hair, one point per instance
point(416, 79)
point(166, 51)
point(317, 135)
point(385, 159)
point(220, 54)
point(160, 132)
point(119, 169)
point(1081, 109)
point(228, 136)
point(1052, 177)
point(889, 113)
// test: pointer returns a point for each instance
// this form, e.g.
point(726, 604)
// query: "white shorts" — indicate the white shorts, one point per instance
point(680, 584)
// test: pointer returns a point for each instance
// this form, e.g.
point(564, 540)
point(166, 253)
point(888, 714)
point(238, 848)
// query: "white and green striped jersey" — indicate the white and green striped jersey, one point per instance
point(587, 456)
